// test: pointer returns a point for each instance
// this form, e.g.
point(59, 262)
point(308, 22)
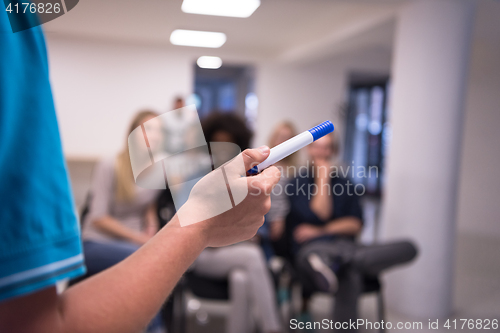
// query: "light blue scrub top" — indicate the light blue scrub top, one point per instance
point(39, 234)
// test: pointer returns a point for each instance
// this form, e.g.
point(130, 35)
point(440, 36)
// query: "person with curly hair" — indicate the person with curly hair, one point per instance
point(243, 263)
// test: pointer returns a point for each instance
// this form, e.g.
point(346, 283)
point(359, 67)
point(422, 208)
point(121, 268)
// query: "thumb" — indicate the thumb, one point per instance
point(248, 159)
point(253, 157)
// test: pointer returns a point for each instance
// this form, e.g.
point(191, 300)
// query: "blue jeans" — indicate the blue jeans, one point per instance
point(100, 256)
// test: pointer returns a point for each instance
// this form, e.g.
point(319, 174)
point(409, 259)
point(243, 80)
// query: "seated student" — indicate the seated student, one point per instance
point(326, 217)
point(39, 236)
point(121, 215)
point(272, 230)
point(246, 257)
point(323, 211)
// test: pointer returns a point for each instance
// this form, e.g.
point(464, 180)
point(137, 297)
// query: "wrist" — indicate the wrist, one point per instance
point(325, 231)
point(196, 233)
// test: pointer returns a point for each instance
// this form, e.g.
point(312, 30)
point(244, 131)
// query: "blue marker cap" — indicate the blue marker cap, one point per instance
point(253, 171)
point(321, 130)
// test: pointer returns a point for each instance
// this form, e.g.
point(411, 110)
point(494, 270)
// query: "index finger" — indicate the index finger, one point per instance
point(269, 178)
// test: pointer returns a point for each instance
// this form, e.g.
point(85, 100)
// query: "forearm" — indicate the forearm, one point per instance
point(126, 296)
point(350, 226)
point(122, 298)
point(114, 228)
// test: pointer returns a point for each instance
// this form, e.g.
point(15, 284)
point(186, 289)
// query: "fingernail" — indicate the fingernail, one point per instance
point(264, 150)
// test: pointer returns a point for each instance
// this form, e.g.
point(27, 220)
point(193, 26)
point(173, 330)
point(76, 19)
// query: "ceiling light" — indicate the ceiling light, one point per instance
point(232, 8)
point(197, 38)
point(209, 62)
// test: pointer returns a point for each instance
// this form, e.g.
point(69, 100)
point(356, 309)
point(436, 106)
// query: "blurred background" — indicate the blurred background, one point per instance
point(411, 86)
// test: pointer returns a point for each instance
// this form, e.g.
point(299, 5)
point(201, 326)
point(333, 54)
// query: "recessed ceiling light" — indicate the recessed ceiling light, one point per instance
point(197, 38)
point(209, 62)
point(232, 8)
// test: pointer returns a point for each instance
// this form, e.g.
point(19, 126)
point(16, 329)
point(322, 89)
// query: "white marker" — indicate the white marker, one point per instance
point(291, 146)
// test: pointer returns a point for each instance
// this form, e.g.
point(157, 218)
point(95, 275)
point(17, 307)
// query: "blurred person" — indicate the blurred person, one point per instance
point(272, 231)
point(321, 213)
point(178, 103)
point(121, 215)
point(324, 213)
point(177, 128)
point(226, 127)
point(39, 236)
point(245, 258)
point(279, 203)
point(326, 218)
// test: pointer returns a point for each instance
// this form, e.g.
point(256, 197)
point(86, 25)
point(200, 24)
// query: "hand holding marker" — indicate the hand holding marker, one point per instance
point(291, 146)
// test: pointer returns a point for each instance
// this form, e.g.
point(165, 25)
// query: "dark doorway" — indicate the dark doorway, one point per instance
point(368, 130)
point(225, 89)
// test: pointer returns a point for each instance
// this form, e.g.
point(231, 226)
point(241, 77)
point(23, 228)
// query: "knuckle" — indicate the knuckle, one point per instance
point(267, 186)
point(250, 155)
point(247, 152)
point(275, 172)
point(256, 183)
point(267, 205)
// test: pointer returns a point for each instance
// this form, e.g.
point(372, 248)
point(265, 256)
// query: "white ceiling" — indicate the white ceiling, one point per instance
point(289, 30)
point(285, 30)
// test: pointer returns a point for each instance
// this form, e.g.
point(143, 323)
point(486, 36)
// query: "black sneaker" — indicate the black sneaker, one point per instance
point(325, 278)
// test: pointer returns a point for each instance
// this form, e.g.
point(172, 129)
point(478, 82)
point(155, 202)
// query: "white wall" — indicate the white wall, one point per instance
point(305, 96)
point(479, 198)
point(429, 83)
point(98, 86)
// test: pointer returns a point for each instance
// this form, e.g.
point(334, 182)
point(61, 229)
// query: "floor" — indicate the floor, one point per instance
point(477, 292)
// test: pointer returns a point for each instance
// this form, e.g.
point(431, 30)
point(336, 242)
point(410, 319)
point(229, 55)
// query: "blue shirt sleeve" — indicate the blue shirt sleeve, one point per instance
point(39, 234)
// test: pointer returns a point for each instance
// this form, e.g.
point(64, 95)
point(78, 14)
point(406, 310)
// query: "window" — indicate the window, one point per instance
point(224, 89)
point(368, 131)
